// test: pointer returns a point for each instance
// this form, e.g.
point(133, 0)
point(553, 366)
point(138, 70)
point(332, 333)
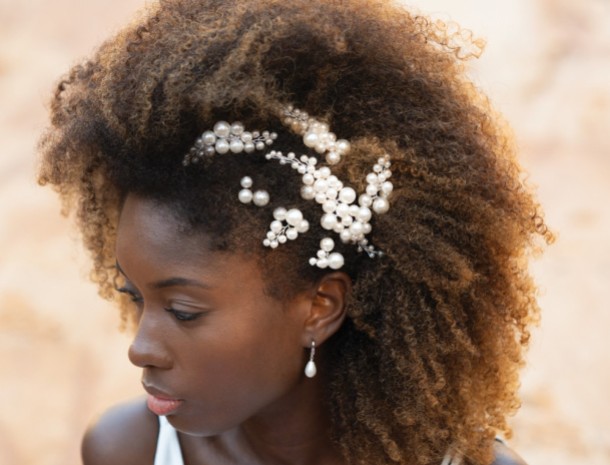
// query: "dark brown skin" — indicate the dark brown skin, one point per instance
point(238, 366)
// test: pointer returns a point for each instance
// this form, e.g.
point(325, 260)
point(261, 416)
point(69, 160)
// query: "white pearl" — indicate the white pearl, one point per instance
point(292, 234)
point(335, 260)
point(279, 213)
point(356, 228)
point(276, 226)
point(387, 174)
point(347, 195)
point(387, 188)
point(266, 242)
point(381, 205)
point(365, 200)
point(332, 158)
point(320, 197)
point(332, 193)
point(222, 129)
point(327, 244)
point(321, 254)
point(372, 190)
point(282, 239)
point(328, 221)
point(209, 138)
point(320, 185)
point(307, 192)
point(308, 179)
point(260, 146)
point(310, 139)
point(245, 196)
point(353, 210)
point(345, 236)
point(261, 198)
point(346, 221)
point(236, 146)
point(338, 227)
point(310, 368)
point(274, 244)
point(294, 217)
point(246, 182)
point(303, 226)
point(342, 146)
point(364, 214)
point(237, 129)
point(320, 147)
point(324, 172)
point(322, 263)
point(222, 146)
point(342, 210)
point(371, 178)
point(313, 261)
point(334, 182)
point(329, 206)
point(246, 137)
point(249, 147)
point(377, 168)
point(367, 228)
point(271, 235)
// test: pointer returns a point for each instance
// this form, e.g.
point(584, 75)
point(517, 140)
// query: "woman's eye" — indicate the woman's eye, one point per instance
point(183, 316)
point(136, 298)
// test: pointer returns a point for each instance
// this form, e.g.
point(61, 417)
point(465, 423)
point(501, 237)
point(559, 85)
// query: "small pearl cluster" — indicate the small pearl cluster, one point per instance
point(326, 259)
point(342, 214)
point(287, 225)
point(316, 135)
point(259, 198)
point(227, 138)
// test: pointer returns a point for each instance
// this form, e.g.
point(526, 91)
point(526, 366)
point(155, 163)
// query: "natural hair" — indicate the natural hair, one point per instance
point(428, 357)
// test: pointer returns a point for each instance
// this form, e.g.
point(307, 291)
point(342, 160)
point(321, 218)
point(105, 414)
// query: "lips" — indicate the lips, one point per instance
point(161, 403)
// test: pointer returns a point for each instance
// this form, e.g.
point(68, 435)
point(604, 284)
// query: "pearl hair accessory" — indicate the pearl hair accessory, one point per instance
point(287, 225)
point(227, 138)
point(310, 368)
point(259, 198)
point(342, 214)
point(316, 135)
point(345, 212)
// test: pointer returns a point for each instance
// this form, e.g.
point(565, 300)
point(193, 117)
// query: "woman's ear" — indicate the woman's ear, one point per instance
point(328, 307)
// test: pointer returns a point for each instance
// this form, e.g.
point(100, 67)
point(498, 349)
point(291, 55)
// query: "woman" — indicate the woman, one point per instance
point(320, 224)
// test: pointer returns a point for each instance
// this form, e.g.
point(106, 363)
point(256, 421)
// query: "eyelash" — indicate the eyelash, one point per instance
point(178, 315)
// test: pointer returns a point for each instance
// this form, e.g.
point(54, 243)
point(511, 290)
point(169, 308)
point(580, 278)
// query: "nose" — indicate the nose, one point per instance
point(148, 349)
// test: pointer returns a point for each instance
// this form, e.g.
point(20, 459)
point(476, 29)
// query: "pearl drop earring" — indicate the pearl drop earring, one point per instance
point(310, 368)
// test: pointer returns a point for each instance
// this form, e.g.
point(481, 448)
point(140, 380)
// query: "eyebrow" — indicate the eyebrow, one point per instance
point(170, 282)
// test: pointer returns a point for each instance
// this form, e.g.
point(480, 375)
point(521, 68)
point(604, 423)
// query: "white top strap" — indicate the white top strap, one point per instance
point(168, 447)
point(451, 460)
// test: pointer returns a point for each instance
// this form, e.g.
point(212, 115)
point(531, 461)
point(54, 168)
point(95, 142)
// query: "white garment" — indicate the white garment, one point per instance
point(169, 453)
point(168, 447)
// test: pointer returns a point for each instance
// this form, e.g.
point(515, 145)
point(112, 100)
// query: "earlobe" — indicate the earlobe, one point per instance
point(328, 308)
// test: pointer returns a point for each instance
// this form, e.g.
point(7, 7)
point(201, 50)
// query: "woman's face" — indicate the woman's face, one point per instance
point(207, 336)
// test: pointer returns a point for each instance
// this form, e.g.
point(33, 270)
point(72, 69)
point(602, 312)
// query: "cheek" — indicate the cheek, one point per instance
point(239, 368)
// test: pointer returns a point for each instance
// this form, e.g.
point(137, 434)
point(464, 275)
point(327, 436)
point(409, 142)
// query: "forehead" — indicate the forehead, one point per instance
point(153, 242)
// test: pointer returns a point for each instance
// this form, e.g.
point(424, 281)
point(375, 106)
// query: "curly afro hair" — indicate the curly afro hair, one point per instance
point(428, 357)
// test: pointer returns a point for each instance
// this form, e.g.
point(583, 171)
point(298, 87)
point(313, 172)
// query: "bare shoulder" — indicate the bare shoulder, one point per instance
point(124, 435)
point(506, 456)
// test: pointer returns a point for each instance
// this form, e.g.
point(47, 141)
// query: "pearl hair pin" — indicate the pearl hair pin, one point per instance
point(287, 225)
point(259, 198)
point(344, 211)
point(227, 138)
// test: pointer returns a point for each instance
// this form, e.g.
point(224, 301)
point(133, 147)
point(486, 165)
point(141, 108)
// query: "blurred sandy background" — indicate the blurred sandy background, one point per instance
point(547, 67)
